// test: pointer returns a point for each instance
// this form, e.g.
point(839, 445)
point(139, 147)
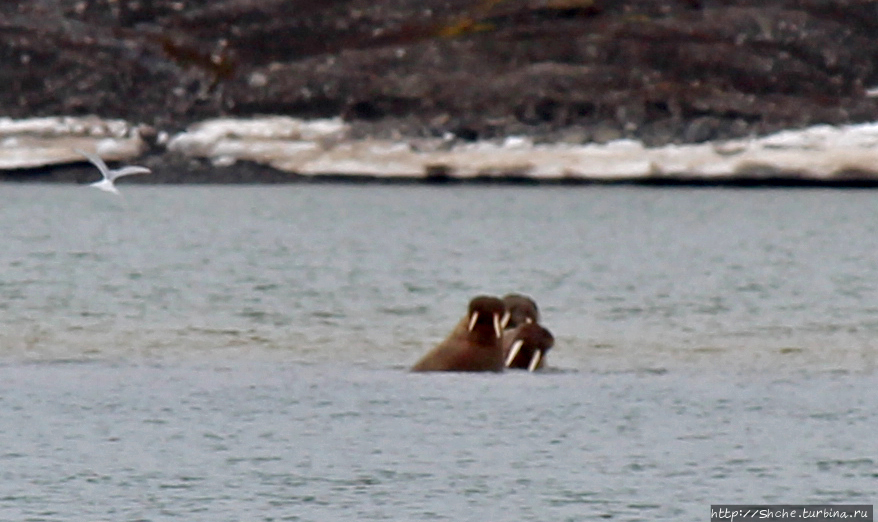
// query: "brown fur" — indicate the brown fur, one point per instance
point(522, 309)
point(464, 350)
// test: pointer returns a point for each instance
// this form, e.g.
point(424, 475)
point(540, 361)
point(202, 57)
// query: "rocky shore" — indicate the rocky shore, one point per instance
point(573, 72)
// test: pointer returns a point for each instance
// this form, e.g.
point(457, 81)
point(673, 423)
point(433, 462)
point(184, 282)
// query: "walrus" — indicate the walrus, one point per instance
point(525, 347)
point(475, 344)
point(521, 309)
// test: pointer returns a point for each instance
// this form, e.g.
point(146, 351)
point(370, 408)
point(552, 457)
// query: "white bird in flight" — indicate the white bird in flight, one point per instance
point(110, 176)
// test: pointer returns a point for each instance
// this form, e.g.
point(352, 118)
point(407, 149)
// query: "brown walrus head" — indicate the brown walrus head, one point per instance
point(521, 309)
point(528, 347)
point(486, 317)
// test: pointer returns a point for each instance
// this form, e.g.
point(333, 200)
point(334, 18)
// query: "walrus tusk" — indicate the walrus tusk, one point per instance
point(505, 320)
point(513, 351)
point(472, 321)
point(535, 361)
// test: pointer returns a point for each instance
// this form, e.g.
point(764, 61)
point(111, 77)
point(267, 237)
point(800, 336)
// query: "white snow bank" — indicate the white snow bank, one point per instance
point(318, 147)
point(38, 142)
point(315, 147)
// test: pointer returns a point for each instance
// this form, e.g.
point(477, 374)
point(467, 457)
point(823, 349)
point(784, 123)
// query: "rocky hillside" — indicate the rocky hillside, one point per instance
point(572, 70)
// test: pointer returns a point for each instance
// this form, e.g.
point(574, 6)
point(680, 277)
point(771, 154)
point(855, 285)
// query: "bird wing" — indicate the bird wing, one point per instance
point(97, 162)
point(127, 171)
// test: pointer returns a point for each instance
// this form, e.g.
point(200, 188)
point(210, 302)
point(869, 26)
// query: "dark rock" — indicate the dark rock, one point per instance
point(701, 129)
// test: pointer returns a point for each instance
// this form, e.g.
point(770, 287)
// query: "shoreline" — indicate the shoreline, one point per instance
point(257, 175)
point(280, 149)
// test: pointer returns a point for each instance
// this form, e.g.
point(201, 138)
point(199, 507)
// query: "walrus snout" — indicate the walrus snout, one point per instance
point(527, 346)
point(497, 321)
point(486, 310)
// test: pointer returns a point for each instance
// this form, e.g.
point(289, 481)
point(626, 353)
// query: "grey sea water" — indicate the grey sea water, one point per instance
point(239, 353)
